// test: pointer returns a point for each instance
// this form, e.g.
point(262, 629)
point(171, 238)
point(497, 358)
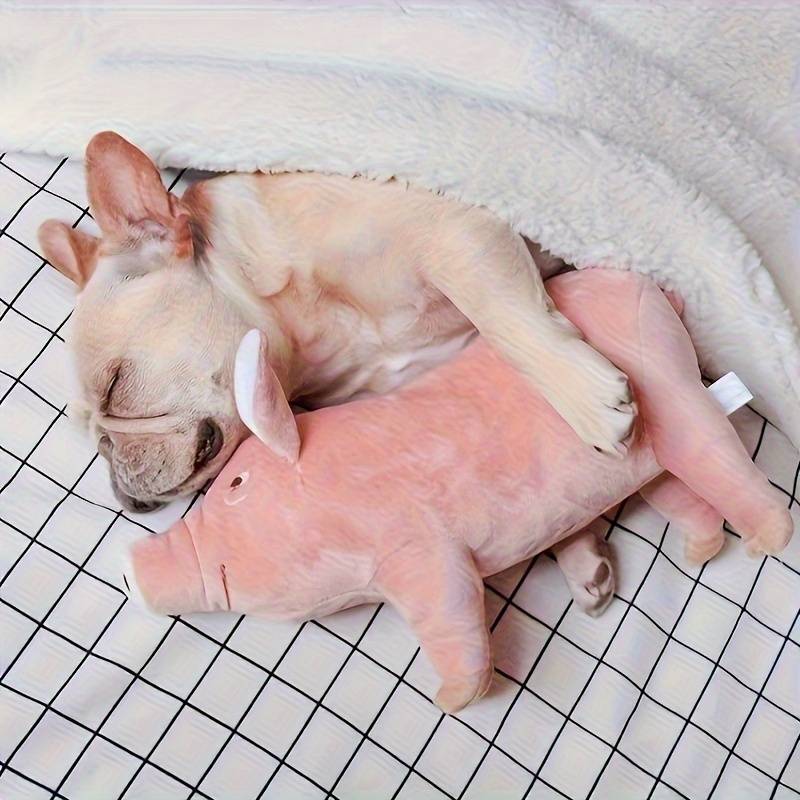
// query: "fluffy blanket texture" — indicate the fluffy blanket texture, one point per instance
point(657, 137)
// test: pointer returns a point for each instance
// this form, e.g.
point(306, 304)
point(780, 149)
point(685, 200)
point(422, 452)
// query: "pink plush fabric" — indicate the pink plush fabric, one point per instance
point(415, 496)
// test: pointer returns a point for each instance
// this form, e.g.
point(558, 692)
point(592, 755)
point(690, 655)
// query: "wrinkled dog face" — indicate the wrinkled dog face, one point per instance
point(156, 383)
point(153, 345)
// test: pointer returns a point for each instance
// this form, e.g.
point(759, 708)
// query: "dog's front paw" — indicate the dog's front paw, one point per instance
point(599, 406)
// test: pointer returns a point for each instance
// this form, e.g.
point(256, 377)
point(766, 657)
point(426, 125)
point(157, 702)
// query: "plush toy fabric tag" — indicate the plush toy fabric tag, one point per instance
point(730, 392)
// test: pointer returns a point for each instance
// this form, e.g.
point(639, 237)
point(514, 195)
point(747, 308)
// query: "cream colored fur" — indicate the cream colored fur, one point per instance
point(358, 285)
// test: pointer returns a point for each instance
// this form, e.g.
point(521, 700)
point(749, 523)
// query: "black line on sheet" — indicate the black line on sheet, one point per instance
point(38, 324)
point(399, 680)
point(318, 702)
point(568, 718)
point(38, 191)
point(42, 187)
point(717, 661)
point(786, 763)
point(540, 655)
point(759, 696)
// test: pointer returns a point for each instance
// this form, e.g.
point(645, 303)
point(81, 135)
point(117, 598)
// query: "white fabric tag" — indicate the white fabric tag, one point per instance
point(730, 392)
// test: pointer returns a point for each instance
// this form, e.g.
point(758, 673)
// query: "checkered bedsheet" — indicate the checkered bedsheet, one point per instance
point(687, 687)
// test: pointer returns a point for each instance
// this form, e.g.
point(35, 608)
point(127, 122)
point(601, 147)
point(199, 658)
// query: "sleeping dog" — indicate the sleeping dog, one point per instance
point(358, 286)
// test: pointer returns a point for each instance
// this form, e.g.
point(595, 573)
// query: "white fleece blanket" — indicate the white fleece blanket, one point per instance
point(657, 137)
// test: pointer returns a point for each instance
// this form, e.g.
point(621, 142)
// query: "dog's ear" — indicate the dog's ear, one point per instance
point(128, 199)
point(73, 253)
point(260, 400)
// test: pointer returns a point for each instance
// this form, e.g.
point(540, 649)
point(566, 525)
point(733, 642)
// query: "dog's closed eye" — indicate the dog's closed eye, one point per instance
point(105, 403)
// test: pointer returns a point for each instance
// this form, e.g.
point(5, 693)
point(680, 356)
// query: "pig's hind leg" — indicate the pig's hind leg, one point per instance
point(692, 437)
point(698, 522)
point(713, 463)
point(690, 434)
point(586, 566)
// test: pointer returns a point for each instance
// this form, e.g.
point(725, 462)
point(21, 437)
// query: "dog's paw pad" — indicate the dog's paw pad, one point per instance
point(594, 594)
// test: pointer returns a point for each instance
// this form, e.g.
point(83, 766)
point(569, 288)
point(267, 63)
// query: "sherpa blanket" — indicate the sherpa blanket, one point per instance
point(656, 137)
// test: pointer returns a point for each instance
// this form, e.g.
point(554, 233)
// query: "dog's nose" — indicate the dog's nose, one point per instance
point(209, 442)
point(143, 506)
point(132, 503)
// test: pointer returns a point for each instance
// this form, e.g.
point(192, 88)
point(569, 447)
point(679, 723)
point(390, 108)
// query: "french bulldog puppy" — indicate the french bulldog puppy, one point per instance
point(358, 286)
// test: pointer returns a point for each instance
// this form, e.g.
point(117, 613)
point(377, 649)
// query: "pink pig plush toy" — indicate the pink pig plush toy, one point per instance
point(415, 496)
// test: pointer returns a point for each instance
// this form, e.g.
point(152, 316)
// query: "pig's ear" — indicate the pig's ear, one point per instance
point(260, 400)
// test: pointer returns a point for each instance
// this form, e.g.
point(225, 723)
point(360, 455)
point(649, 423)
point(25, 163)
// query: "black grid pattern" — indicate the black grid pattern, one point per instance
point(689, 686)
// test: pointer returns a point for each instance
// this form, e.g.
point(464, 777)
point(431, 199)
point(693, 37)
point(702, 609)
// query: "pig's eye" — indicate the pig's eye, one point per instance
point(235, 493)
point(239, 480)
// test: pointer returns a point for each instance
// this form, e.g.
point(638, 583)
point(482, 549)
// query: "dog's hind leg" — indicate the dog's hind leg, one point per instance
point(585, 563)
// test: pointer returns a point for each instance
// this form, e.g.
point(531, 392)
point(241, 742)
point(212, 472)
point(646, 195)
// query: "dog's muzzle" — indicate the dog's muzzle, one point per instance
point(210, 440)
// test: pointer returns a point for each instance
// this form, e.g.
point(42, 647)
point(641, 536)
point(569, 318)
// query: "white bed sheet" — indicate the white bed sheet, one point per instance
point(688, 686)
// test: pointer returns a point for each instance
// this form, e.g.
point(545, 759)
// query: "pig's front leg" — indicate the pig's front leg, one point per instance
point(438, 591)
point(587, 569)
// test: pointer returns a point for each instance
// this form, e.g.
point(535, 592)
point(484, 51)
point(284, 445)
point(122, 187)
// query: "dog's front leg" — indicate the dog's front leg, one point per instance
point(490, 277)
